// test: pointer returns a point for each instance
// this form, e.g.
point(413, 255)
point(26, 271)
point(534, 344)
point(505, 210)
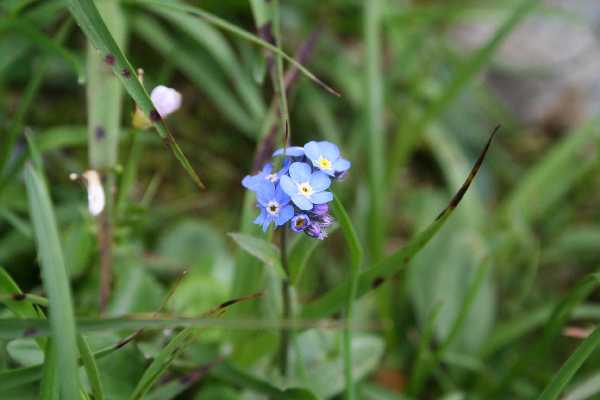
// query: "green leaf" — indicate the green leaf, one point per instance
point(87, 16)
point(56, 282)
point(298, 394)
point(220, 23)
point(300, 252)
point(266, 252)
point(25, 351)
point(559, 382)
point(162, 362)
point(104, 93)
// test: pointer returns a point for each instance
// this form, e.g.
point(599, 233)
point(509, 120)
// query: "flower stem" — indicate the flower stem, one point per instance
point(285, 294)
point(348, 331)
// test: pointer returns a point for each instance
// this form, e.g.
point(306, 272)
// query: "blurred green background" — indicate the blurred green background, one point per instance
point(491, 307)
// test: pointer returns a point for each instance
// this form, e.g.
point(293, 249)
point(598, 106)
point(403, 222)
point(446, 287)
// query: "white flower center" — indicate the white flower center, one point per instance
point(273, 207)
point(272, 178)
point(323, 163)
point(305, 189)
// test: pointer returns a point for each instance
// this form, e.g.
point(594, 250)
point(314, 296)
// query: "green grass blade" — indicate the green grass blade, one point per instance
point(220, 50)
point(197, 70)
point(568, 370)
point(87, 16)
point(91, 369)
point(374, 109)
point(161, 362)
point(374, 276)
point(410, 133)
point(299, 254)
point(550, 179)
point(56, 282)
point(220, 23)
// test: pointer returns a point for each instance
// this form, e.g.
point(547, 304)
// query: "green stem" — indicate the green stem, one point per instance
point(285, 294)
point(348, 331)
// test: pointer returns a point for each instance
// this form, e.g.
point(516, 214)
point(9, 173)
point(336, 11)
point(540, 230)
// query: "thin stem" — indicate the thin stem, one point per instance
point(285, 294)
point(348, 331)
point(105, 229)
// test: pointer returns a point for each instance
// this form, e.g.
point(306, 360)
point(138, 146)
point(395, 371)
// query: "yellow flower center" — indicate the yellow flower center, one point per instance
point(324, 163)
point(305, 189)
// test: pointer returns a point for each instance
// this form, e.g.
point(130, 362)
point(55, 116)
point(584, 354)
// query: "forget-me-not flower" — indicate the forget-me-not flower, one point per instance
point(165, 99)
point(292, 151)
point(305, 187)
point(252, 182)
point(299, 222)
point(274, 205)
point(326, 157)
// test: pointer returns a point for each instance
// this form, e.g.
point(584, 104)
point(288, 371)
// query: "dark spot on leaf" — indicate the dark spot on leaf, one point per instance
point(29, 332)
point(377, 282)
point(228, 303)
point(265, 32)
point(126, 73)
point(100, 132)
point(19, 296)
point(109, 59)
point(154, 116)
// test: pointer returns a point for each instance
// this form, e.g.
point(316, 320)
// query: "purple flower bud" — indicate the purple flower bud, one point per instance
point(315, 231)
point(320, 209)
point(300, 222)
point(340, 176)
point(325, 220)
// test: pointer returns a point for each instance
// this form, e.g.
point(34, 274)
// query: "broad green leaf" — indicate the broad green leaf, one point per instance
point(104, 93)
point(266, 252)
point(56, 282)
point(25, 351)
point(87, 16)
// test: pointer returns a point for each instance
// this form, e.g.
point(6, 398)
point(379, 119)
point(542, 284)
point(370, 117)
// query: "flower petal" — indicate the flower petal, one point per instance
point(341, 165)
point(287, 184)
point(321, 197)
point(165, 100)
point(300, 172)
point(266, 169)
point(285, 215)
point(281, 196)
point(292, 151)
point(319, 181)
point(265, 191)
point(261, 217)
point(312, 151)
point(302, 202)
point(329, 150)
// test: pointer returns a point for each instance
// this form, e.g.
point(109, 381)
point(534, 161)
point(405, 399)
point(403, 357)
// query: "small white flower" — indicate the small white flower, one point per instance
point(96, 198)
point(165, 100)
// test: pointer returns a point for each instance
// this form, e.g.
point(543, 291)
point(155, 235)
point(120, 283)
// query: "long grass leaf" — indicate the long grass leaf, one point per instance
point(87, 16)
point(559, 382)
point(56, 282)
point(374, 276)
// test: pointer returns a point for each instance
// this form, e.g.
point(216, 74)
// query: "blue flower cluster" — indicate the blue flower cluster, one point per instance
point(297, 193)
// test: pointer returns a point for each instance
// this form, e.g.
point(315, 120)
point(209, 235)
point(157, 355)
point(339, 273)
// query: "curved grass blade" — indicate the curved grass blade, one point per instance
point(568, 370)
point(218, 22)
point(300, 252)
point(87, 16)
point(162, 361)
point(372, 277)
point(56, 282)
point(560, 315)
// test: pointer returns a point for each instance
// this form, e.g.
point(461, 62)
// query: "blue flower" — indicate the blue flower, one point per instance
point(253, 182)
point(292, 151)
point(306, 187)
point(274, 205)
point(299, 222)
point(326, 157)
